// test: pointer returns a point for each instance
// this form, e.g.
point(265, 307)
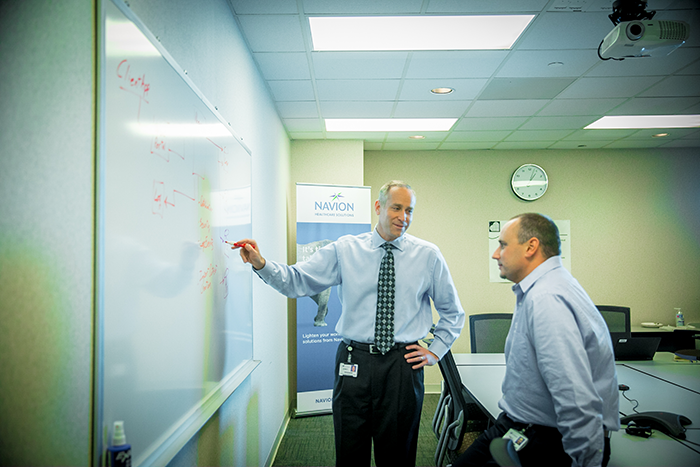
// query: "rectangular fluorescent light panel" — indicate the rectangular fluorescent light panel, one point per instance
point(645, 121)
point(389, 124)
point(486, 32)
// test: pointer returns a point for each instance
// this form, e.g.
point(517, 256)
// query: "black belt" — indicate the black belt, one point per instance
point(370, 348)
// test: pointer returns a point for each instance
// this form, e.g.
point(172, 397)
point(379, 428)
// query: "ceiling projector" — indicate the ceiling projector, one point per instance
point(647, 38)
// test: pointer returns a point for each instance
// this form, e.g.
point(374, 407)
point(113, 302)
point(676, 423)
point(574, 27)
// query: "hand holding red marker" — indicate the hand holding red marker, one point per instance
point(249, 255)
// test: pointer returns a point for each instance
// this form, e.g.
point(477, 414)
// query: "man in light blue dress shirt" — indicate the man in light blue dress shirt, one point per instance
point(377, 398)
point(560, 390)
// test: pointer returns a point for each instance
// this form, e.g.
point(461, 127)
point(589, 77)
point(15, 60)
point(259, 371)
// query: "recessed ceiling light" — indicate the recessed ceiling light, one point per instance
point(416, 137)
point(555, 64)
point(442, 91)
point(389, 124)
point(485, 32)
point(645, 121)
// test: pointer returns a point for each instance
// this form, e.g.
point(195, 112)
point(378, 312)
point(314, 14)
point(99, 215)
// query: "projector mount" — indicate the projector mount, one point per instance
point(629, 10)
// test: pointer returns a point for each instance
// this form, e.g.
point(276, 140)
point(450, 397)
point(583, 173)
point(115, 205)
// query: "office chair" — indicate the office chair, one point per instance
point(458, 421)
point(618, 320)
point(488, 332)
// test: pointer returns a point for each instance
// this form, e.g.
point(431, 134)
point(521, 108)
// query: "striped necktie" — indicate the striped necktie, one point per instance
point(384, 326)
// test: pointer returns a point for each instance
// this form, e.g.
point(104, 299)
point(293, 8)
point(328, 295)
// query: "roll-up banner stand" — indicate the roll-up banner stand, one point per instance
point(324, 214)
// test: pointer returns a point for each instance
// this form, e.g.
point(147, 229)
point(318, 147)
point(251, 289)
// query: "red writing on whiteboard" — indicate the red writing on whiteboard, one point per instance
point(205, 276)
point(135, 85)
point(203, 203)
point(162, 198)
point(160, 148)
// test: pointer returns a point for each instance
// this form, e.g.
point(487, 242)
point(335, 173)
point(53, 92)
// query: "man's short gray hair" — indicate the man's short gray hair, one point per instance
point(384, 191)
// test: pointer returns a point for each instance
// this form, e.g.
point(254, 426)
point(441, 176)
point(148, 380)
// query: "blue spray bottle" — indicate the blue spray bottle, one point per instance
point(119, 453)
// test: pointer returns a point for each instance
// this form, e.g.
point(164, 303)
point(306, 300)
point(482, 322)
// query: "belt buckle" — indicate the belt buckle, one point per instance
point(373, 349)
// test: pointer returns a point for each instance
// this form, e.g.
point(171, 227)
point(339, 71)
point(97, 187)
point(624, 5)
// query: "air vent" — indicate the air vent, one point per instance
point(674, 30)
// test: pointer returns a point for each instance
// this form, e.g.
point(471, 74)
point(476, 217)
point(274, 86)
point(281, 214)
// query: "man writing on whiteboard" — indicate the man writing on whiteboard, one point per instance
point(386, 281)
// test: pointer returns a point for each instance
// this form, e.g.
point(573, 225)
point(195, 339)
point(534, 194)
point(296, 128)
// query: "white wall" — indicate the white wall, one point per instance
point(47, 231)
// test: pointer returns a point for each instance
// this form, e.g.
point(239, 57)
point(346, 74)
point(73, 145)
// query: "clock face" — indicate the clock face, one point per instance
point(529, 182)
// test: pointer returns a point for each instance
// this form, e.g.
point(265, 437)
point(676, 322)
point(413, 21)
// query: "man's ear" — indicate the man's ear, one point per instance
point(533, 246)
point(376, 207)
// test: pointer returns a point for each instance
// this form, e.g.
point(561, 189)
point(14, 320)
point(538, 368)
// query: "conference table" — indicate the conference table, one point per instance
point(665, 384)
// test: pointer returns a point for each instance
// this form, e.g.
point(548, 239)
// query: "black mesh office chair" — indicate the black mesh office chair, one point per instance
point(618, 320)
point(458, 421)
point(488, 332)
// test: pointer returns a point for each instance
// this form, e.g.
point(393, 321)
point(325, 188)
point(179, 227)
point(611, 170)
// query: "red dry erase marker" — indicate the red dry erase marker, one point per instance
point(236, 244)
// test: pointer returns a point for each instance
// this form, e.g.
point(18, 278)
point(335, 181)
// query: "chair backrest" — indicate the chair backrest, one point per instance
point(488, 332)
point(618, 320)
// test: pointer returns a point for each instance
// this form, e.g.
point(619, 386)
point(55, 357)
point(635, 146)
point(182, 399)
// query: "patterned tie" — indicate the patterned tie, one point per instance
point(384, 327)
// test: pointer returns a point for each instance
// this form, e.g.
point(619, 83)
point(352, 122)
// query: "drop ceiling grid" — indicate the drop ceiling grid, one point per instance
point(499, 96)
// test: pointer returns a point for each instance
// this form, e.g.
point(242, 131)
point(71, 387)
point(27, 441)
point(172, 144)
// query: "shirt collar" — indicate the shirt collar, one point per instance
point(378, 241)
point(524, 285)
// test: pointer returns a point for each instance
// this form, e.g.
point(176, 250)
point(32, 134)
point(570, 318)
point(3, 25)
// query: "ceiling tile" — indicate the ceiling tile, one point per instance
point(554, 30)
point(490, 123)
point(506, 108)
point(655, 106)
point(292, 90)
point(548, 63)
point(278, 65)
point(502, 94)
point(565, 107)
point(354, 109)
point(523, 145)
point(361, 89)
point(646, 66)
point(608, 87)
point(303, 124)
point(558, 123)
point(430, 136)
point(524, 88)
point(675, 86)
point(486, 6)
point(455, 64)
point(273, 33)
point(477, 136)
point(592, 135)
point(538, 135)
point(433, 109)
point(410, 146)
point(359, 65)
point(472, 145)
point(297, 109)
point(419, 89)
point(363, 6)
point(575, 144)
point(306, 135)
point(251, 7)
point(637, 143)
point(694, 68)
point(375, 136)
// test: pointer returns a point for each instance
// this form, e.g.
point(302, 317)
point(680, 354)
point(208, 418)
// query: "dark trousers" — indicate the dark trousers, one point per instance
point(544, 446)
point(381, 405)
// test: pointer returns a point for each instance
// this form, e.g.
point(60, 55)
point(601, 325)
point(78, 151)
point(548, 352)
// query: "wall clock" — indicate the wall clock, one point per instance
point(529, 182)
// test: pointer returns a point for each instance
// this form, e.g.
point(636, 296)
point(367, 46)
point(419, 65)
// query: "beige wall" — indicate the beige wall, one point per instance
point(333, 162)
point(635, 221)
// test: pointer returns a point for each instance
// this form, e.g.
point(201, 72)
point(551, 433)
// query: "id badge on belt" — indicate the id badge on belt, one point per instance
point(348, 369)
point(519, 439)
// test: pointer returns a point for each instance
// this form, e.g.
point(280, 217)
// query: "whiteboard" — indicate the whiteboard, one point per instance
point(174, 302)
